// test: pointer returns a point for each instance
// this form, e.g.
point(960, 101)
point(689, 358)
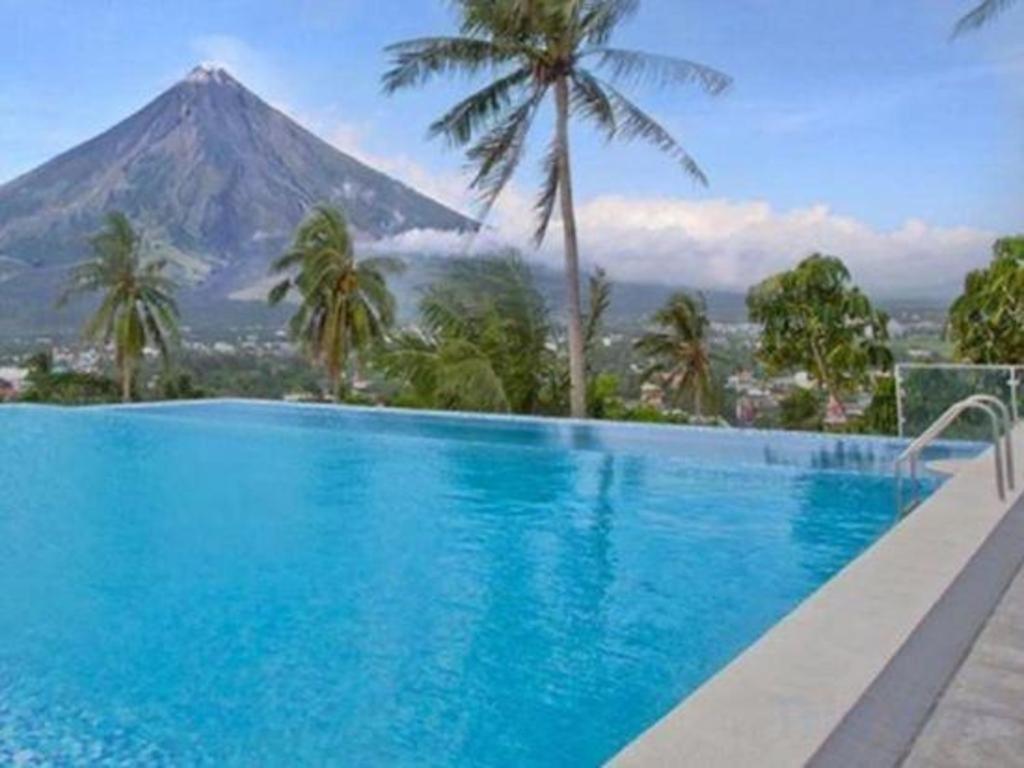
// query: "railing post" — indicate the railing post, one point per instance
point(899, 489)
point(993, 401)
point(898, 374)
point(1014, 383)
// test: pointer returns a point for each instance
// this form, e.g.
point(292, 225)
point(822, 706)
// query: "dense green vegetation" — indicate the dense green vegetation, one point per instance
point(66, 387)
point(535, 49)
point(485, 342)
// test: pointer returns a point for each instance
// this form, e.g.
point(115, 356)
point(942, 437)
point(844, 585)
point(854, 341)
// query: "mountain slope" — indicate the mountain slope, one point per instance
point(212, 172)
point(217, 180)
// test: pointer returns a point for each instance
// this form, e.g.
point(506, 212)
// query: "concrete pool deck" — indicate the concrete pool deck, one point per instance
point(852, 676)
point(980, 718)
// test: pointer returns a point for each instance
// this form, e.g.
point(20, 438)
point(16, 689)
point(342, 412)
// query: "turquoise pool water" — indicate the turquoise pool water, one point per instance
point(242, 584)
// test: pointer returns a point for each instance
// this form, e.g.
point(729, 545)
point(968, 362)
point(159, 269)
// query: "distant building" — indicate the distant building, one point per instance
point(746, 411)
point(12, 382)
point(835, 414)
point(803, 380)
point(651, 394)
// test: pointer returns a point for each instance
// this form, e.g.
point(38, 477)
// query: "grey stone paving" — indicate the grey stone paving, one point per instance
point(979, 721)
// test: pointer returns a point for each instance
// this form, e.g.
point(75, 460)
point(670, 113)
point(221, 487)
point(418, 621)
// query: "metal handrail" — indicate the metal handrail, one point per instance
point(982, 403)
point(1008, 424)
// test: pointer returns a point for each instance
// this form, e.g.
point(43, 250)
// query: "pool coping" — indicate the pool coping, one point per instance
point(851, 675)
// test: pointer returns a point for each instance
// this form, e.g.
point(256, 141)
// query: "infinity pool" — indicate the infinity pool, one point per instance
point(233, 583)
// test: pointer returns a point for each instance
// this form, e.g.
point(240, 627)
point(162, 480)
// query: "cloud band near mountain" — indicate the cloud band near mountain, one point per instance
point(732, 244)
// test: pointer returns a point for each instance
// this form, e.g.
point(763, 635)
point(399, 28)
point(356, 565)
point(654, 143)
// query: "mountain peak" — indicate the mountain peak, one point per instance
point(210, 72)
point(212, 171)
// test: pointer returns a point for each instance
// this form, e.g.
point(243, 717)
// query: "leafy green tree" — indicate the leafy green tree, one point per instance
point(483, 339)
point(986, 323)
point(44, 385)
point(801, 410)
point(39, 365)
point(180, 386)
point(981, 15)
point(344, 302)
point(814, 319)
point(603, 400)
point(137, 308)
point(678, 352)
point(534, 49)
point(880, 417)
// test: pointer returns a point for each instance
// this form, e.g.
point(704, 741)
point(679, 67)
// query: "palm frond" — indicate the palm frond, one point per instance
point(463, 121)
point(471, 384)
point(590, 99)
point(386, 265)
point(601, 18)
point(637, 67)
point(600, 299)
point(100, 326)
point(637, 125)
point(498, 152)
point(981, 15)
point(545, 205)
point(416, 62)
point(276, 294)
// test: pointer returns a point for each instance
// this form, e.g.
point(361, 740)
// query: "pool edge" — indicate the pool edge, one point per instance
point(850, 676)
point(513, 418)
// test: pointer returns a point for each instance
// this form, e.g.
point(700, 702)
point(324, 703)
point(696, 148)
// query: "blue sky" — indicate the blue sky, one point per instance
point(860, 110)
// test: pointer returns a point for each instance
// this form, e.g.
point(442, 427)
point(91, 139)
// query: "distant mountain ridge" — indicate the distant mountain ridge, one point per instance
point(215, 175)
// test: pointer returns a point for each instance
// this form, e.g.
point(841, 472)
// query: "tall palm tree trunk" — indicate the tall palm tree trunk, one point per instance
point(126, 381)
point(577, 364)
point(338, 355)
point(338, 384)
point(339, 379)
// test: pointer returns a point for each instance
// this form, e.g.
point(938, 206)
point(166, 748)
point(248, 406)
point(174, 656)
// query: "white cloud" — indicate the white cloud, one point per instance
point(448, 187)
point(731, 244)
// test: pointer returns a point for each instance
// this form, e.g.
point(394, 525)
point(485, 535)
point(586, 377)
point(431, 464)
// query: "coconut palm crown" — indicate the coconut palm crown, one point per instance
point(534, 49)
point(344, 302)
point(678, 351)
point(137, 309)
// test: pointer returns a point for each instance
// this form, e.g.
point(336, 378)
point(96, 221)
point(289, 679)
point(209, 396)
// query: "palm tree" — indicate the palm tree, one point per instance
point(137, 309)
point(981, 15)
point(538, 48)
point(679, 352)
point(482, 341)
point(344, 302)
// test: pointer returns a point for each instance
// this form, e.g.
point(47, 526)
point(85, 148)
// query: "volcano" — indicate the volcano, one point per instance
point(212, 175)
